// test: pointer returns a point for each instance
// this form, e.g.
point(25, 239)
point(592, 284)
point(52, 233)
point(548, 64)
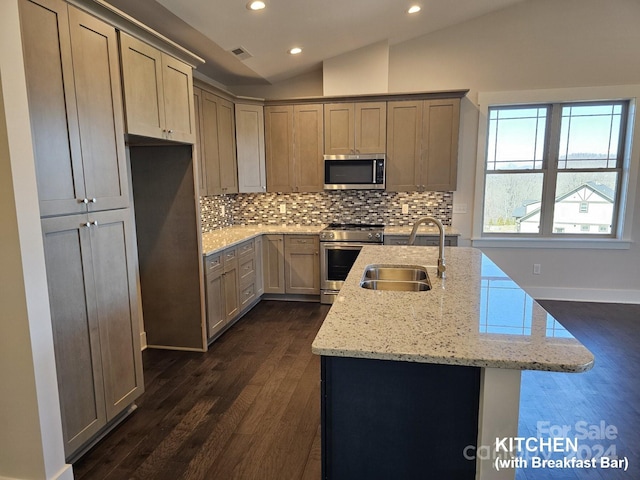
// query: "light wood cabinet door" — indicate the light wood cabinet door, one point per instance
point(216, 314)
point(143, 88)
point(339, 129)
point(94, 310)
point(355, 128)
point(231, 283)
point(198, 147)
point(302, 264)
point(370, 127)
point(74, 320)
point(75, 103)
point(218, 145)
point(158, 92)
point(116, 298)
point(404, 137)
point(278, 126)
point(52, 106)
point(307, 154)
point(273, 263)
point(259, 265)
point(177, 80)
point(94, 47)
point(250, 148)
point(440, 124)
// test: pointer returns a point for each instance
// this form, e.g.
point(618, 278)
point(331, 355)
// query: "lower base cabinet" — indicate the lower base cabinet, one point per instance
point(94, 312)
point(232, 284)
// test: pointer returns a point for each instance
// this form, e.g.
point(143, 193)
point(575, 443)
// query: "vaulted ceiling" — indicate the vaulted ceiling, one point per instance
point(323, 29)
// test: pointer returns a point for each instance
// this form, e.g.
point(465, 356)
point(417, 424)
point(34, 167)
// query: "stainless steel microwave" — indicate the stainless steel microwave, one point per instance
point(358, 172)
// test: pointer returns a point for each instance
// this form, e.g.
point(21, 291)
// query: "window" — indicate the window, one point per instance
point(554, 169)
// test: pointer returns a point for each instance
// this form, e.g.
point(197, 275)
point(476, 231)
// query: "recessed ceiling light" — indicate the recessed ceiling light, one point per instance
point(256, 5)
point(414, 9)
point(295, 51)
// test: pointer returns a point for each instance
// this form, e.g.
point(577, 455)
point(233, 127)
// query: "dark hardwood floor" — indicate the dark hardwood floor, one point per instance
point(250, 407)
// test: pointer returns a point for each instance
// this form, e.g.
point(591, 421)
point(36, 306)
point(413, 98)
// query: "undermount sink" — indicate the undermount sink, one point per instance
point(399, 278)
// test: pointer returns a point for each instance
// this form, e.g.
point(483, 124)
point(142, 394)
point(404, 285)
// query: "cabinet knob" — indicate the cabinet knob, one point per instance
point(94, 223)
point(93, 200)
point(169, 132)
point(86, 224)
point(83, 200)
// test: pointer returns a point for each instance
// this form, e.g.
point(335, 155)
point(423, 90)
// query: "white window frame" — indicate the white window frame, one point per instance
point(623, 234)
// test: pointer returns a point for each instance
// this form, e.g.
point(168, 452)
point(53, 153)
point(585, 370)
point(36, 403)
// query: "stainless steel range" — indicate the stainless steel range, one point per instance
point(340, 244)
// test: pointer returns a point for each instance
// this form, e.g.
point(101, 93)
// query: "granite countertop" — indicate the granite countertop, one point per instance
point(476, 316)
point(213, 242)
point(422, 230)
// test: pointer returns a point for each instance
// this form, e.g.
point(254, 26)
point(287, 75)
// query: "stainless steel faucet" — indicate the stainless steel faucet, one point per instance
point(412, 238)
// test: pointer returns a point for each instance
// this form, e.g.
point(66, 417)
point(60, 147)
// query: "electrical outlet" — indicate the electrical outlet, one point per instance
point(459, 208)
point(405, 208)
point(283, 208)
point(536, 269)
point(222, 210)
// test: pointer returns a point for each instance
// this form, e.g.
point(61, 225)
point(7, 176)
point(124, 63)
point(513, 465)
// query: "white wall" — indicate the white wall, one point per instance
point(30, 426)
point(534, 45)
point(362, 71)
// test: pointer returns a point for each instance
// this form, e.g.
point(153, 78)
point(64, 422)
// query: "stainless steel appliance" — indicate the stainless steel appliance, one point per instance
point(359, 172)
point(340, 244)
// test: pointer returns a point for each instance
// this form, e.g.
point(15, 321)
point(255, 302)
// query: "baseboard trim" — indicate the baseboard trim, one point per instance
point(143, 341)
point(584, 294)
point(66, 473)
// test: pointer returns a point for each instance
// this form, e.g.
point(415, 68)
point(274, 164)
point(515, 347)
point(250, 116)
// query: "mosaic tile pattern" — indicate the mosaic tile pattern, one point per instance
point(345, 206)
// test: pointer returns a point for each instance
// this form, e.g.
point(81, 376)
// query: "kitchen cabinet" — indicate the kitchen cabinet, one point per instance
point(302, 264)
point(216, 147)
point(94, 313)
point(158, 92)
point(273, 263)
point(258, 246)
point(355, 128)
point(232, 284)
point(197, 147)
point(75, 107)
point(422, 240)
point(252, 176)
point(422, 145)
point(294, 146)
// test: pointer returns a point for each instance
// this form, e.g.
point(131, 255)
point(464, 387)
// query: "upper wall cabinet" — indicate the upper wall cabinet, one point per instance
point(75, 106)
point(422, 145)
point(158, 93)
point(216, 146)
point(354, 128)
point(293, 140)
point(250, 148)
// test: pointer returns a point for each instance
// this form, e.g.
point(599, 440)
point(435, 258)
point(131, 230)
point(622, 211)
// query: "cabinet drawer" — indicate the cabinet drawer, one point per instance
point(213, 264)
point(301, 240)
point(246, 248)
point(247, 270)
point(247, 294)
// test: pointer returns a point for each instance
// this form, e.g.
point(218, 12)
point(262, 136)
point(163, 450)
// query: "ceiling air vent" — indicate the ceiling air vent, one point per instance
point(241, 53)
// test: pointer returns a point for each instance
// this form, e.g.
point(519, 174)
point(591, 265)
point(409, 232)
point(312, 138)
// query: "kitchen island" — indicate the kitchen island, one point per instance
point(414, 383)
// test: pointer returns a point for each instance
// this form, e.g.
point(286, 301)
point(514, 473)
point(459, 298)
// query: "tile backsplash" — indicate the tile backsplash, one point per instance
point(340, 206)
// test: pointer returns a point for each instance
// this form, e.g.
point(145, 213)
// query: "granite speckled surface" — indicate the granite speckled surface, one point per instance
point(218, 240)
point(477, 316)
point(422, 230)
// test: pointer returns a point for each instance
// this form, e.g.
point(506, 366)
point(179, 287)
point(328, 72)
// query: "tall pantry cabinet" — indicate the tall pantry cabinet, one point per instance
point(75, 103)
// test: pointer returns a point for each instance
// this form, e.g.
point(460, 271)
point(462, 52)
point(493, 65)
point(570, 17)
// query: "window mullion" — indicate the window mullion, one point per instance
point(550, 165)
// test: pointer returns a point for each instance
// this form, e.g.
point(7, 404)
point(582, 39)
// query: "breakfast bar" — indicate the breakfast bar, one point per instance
point(417, 382)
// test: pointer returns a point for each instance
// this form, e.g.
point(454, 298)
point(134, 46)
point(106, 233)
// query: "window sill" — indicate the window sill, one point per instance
point(511, 242)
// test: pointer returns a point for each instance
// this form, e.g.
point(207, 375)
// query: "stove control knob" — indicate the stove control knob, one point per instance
point(370, 236)
point(378, 236)
point(331, 235)
point(323, 236)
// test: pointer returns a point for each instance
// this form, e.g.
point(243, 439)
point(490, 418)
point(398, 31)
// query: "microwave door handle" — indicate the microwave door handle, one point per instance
point(374, 171)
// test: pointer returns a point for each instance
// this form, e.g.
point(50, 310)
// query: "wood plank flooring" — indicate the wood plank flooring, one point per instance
point(250, 407)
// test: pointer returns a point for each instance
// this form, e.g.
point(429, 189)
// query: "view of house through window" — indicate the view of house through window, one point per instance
point(554, 169)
